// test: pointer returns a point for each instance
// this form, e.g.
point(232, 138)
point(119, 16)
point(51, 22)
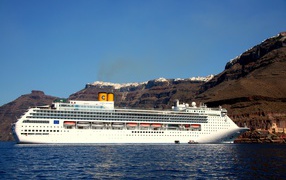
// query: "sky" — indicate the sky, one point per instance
point(58, 46)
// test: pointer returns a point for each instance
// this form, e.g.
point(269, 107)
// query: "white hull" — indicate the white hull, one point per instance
point(90, 136)
point(120, 136)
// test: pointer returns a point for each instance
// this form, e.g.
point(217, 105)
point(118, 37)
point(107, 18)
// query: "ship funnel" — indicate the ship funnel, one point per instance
point(110, 97)
point(102, 96)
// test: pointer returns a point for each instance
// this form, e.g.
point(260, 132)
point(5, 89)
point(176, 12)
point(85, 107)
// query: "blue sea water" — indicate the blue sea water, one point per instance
point(143, 161)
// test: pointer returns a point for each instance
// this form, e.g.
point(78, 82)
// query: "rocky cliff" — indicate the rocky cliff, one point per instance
point(9, 113)
point(252, 87)
point(159, 93)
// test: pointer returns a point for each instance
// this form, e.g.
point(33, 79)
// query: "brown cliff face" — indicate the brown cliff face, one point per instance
point(252, 88)
point(153, 94)
point(259, 57)
point(9, 113)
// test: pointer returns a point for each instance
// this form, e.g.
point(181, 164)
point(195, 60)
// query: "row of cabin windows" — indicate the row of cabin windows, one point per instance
point(195, 135)
point(116, 117)
point(144, 132)
point(36, 121)
point(112, 119)
point(40, 130)
point(114, 113)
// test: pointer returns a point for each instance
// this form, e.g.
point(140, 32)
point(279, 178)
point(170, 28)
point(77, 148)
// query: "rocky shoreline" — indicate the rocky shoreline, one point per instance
point(261, 136)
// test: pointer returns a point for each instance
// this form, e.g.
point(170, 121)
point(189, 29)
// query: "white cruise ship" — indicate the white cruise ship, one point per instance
point(99, 122)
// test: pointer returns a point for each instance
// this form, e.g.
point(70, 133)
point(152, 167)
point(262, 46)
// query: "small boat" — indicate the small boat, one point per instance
point(177, 142)
point(192, 142)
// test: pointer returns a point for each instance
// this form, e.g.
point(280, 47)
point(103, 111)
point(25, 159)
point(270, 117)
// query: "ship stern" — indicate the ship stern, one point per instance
point(14, 133)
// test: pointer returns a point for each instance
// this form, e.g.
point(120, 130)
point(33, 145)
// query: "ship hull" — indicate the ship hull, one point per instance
point(76, 136)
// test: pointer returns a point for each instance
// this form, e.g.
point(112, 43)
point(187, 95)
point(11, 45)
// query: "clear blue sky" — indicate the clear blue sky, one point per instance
point(58, 46)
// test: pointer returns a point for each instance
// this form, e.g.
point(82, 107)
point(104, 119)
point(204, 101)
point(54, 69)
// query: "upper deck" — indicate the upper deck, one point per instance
point(105, 103)
point(108, 106)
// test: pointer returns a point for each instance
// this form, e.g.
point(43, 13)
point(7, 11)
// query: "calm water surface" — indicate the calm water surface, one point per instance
point(140, 161)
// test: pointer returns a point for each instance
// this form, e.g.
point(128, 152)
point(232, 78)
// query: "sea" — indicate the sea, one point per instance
point(142, 161)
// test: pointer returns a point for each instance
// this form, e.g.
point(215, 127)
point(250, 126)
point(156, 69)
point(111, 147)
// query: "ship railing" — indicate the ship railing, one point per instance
point(167, 112)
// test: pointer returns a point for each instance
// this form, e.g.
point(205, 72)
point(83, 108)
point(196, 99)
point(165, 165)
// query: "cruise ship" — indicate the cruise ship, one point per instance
point(99, 121)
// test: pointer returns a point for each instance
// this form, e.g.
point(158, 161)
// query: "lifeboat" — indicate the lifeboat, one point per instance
point(195, 125)
point(82, 123)
point(97, 124)
point(156, 125)
point(131, 124)
point(118, 125)
point(144, 124)
point(187, 125)
point(69, 123)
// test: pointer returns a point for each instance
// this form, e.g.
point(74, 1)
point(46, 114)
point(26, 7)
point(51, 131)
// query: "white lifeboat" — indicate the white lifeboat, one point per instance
point(97, 124)
point(118, 125)
point(82, 123)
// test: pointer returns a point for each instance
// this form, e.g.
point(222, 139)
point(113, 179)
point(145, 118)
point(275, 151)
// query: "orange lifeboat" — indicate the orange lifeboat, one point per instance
point(156, 125)
point(195, 125)
point(144, 124)
point(131, 124)
point(69, 123)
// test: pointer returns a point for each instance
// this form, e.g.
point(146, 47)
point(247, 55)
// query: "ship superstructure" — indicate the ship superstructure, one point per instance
point(99, 122)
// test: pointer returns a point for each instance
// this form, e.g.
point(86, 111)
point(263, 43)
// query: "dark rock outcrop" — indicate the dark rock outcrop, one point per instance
point(252, 84)
point(9, 113)
point(158, 93)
